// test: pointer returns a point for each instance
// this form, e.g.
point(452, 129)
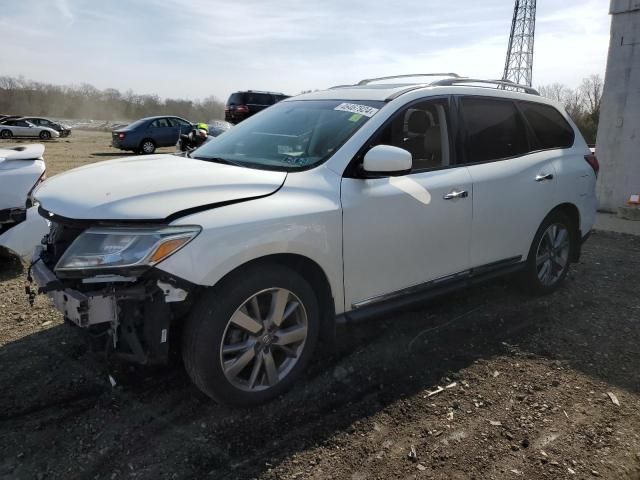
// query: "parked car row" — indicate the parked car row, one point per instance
point(145, 135)
point(21, 126)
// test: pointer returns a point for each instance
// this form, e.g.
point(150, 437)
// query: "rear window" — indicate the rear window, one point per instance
point(258, 98)
point(136, 124)
point(235, 99)
point(494, 130)
point(550, 127)
point(252, 98)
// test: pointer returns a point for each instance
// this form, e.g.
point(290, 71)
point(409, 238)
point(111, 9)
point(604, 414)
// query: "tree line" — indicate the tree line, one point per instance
point(25, 97)
point(582, 103)
point(19, 96)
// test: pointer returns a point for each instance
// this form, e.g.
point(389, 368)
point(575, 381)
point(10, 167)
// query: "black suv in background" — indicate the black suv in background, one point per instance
point(241, 105)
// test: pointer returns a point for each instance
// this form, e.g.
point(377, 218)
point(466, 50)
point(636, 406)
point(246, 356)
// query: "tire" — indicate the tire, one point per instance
point(44, 135)
point(547, 265)
point(6, 134)
point(147, 146)
point(240, 376)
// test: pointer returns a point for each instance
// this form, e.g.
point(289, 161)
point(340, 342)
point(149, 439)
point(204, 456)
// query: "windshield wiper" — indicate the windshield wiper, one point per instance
point(225, 161)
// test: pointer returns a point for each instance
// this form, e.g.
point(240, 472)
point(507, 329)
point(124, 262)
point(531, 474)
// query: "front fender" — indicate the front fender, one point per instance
point(299, 219)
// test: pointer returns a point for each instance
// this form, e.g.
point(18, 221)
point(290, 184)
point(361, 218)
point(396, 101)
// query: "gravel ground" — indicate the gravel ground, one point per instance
point(531, 388)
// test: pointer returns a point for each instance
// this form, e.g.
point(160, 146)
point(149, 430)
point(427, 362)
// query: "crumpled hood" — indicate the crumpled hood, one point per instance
point(150, 188)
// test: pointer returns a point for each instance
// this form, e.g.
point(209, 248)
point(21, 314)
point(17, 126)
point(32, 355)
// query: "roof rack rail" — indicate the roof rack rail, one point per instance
point(367, 81)
point(261, 91)
point(499, 83)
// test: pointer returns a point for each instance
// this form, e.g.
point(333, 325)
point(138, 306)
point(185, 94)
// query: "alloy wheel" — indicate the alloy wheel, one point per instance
point(552, 255)
point(148, 147)
point(263, 340)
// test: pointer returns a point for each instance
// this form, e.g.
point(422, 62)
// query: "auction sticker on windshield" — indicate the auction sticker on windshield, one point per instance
point(365, 110)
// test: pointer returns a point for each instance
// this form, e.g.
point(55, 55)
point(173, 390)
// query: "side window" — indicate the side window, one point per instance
point(178, 122)
point(259, 99)
point(550, 128)
point(494, 130)
point(422, 130)
point(160, 122)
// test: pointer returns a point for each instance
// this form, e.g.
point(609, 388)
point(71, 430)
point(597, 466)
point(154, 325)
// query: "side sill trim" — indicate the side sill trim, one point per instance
point(388, 303)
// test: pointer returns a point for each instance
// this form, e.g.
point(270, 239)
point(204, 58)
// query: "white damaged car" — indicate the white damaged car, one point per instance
point(326, 207)
point(21, 169)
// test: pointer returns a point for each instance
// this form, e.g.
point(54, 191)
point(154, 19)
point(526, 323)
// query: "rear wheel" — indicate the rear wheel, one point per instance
point(550, 255)
point(44, 135)
point(250, 339)
point(147, 146)
point(6, 134)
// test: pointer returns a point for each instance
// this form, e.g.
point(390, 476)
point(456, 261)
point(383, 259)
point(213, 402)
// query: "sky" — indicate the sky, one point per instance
point(198, 48)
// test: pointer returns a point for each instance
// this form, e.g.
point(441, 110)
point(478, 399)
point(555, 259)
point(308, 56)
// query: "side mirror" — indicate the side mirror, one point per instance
point(387, 160)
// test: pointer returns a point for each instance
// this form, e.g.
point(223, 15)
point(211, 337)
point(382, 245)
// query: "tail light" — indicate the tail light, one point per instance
point(242, 109)
point(592, 160)
point(121, 135)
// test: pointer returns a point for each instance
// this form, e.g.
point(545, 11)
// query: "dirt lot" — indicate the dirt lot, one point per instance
point(528, 390)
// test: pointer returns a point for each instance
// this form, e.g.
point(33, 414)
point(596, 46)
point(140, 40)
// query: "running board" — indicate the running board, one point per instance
point(388, 303)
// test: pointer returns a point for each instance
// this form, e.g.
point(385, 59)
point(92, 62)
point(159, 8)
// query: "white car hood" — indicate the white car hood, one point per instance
point(153, 187)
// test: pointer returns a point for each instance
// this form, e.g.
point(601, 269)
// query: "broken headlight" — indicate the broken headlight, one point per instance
point(120, 248)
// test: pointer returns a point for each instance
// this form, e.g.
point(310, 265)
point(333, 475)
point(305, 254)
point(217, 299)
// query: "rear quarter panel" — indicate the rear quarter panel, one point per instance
point(17, 178)
point(576, 180)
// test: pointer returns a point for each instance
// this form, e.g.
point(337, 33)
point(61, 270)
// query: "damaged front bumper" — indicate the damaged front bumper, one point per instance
point(134, 318)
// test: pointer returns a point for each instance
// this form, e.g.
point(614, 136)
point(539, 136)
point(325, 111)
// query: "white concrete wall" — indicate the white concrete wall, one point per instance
point(618, 144)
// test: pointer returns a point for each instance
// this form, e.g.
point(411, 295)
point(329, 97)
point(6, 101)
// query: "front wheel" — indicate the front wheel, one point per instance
point(550, 255)
point(249, 339)
point(44, 135)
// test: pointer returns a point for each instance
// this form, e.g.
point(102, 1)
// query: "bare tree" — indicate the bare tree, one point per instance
point(591, 90)
point(555, 91)
point(582, 104)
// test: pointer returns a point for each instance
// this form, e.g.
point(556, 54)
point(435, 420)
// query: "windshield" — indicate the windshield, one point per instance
point(290, 135)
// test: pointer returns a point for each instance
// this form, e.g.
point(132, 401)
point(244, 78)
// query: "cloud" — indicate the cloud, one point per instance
point(63, 8)
point(202, 47)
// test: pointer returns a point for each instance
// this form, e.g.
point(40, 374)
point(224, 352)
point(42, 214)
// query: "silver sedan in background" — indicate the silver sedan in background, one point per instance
point(23, 128)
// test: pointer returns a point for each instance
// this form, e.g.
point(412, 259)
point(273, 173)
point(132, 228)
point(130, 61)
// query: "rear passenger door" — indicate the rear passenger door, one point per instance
point(162, 132)
point(513, 186)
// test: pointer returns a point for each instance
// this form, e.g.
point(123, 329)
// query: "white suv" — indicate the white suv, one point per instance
point(328, 206)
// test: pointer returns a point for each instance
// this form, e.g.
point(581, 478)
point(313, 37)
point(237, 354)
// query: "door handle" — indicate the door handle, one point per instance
point(544, 176)
point(455, 194)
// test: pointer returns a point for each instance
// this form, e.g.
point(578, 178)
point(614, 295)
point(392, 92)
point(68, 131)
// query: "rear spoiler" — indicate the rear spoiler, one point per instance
point(23, 152)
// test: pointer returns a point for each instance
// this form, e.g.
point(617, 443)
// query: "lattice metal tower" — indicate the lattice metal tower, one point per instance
point(519, 64)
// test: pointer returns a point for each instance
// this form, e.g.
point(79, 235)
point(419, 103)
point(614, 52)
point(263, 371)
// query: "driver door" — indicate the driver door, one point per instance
point(401, 232)
point(22, 129)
